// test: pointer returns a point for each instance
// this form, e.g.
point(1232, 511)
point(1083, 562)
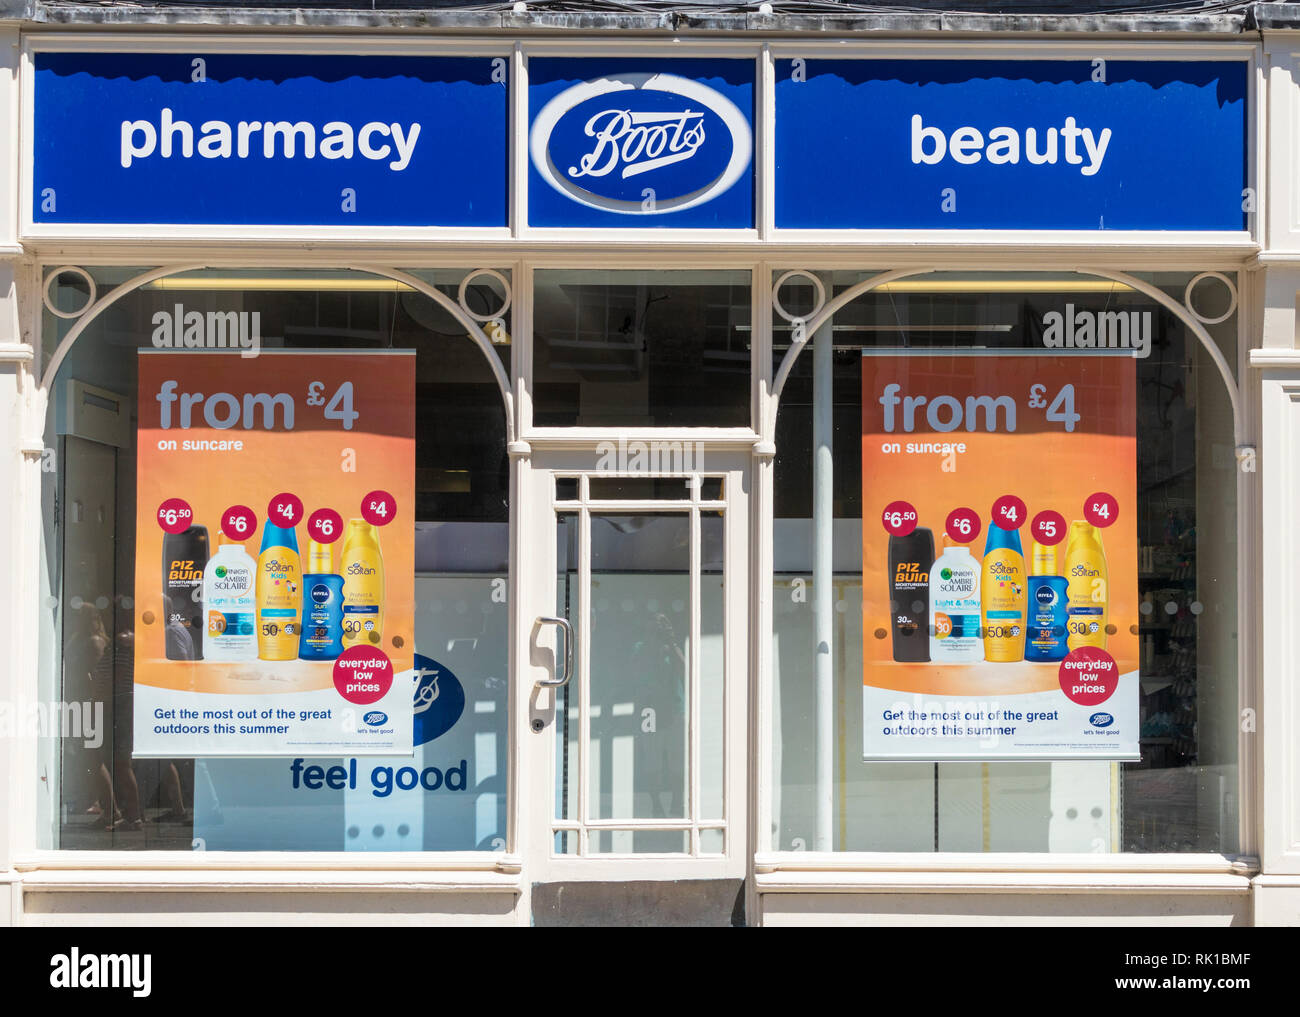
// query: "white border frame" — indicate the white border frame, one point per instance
point(522, 250)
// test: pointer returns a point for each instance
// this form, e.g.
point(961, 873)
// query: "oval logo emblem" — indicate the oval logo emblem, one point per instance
point(1101, 720)
point(375, 717)
point(641, 144)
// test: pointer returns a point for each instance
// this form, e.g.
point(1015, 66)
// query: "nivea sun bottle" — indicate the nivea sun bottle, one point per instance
point(279, 594)
point(322, 606)
point(910, 558)
point(363, 585)
point(1002, 596)
point(1045, 639)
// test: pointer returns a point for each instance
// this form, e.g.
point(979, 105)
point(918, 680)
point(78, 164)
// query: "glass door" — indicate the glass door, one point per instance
point(636, 665)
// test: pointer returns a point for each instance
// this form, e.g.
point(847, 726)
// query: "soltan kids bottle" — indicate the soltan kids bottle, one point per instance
point(362, 569)
point(1002, 596)
point(1089, 587)
point(279, 594)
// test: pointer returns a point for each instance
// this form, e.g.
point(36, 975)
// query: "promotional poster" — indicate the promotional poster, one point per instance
point(999, 554)
point(274, 553)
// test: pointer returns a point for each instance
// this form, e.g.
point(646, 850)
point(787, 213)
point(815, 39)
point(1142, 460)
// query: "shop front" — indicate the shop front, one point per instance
point(510, 479)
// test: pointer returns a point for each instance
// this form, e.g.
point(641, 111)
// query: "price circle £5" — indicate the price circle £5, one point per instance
point(963, 525)
point(1048, 527)
point(379, 508)
point(175, 515)
point(1101, 509)
point(899, 518)
point(324, 526)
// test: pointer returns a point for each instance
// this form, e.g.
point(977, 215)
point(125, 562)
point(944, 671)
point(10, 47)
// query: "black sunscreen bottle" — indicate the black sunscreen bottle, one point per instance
point(910, 559)
point(185, 556)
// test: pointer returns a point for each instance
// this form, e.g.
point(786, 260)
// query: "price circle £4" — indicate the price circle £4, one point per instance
point(963, 525)
point(239, 522)
point(899, 518)
point(285, 510)
point(1101, 509)
point(1009, 512)
point(379, 508)
point(175, 515)
point(324, 526)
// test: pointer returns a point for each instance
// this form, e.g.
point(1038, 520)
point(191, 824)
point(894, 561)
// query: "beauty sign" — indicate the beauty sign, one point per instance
point(274, 553)
point(999, 555)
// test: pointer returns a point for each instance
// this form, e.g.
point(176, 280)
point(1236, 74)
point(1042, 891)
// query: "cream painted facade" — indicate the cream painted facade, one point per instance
point(1258, 884)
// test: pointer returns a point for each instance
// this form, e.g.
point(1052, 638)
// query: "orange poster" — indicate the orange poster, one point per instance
point(274, 553)
point(999, 555)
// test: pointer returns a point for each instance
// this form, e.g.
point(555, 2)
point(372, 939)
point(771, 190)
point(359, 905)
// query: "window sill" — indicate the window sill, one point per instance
point(172, 869)
point(805, 872)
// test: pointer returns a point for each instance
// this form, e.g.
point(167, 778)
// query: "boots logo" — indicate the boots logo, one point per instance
point(641, 144)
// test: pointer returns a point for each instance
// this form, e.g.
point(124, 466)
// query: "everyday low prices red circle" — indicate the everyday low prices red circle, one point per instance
point(1089, 675)
point(175, 515)
point(1009, 512)
point(324, 526)
point(1048, 527)
point(363, 675)
point(285, 510)
point(378, 508)
point(899, 518)
point(239, 522)
point(1100, 509)
point(963, 525)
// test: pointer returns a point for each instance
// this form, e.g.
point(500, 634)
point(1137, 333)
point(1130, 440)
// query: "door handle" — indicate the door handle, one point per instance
point(567, 629)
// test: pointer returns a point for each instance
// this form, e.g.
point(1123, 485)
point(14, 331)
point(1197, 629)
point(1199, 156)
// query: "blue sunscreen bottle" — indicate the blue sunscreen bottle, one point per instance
point(322, 606)
point(1045, 636)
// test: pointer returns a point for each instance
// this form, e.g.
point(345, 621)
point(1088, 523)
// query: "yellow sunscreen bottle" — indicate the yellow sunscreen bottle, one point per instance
point(363, 585)
point(1089, 589)
point(279, 594)
point(1002, 596)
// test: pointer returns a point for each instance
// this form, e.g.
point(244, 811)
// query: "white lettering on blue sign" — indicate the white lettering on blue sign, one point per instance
point(220, 139)
point(967, 145)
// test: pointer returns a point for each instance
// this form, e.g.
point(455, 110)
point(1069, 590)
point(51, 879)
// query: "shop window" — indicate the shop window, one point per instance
point(632, 348)
point(1181, 795)
point(95, 791)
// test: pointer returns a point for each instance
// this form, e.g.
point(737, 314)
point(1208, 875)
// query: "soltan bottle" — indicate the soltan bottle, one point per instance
point(1002, 596)
point(279, 594)
point(362, 568)
point(1089, 587)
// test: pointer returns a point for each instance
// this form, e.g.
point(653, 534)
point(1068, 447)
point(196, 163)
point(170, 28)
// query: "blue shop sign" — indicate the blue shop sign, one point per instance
point(978, 144)
point(641, 143)
point(270, 140)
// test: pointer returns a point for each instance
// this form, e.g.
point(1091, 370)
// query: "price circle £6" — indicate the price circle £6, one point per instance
point(324, 526)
